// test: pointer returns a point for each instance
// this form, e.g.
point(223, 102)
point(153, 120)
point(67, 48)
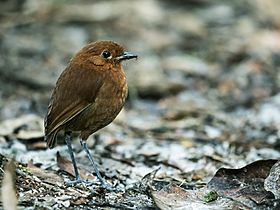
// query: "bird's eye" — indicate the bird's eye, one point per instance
point(106, 54)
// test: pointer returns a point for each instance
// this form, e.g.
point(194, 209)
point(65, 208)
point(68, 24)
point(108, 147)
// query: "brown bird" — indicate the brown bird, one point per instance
point(88, 95)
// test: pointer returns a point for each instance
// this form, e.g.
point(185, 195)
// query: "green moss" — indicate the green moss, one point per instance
point(24, 169)
point(211, 196)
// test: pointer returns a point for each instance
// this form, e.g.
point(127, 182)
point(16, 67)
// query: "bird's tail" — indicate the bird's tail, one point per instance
point(51, 139)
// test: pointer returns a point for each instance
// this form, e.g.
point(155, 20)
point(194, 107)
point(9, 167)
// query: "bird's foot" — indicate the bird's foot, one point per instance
point(110, 188)
point(103, 184)
point(107, 186)
point(79, 181)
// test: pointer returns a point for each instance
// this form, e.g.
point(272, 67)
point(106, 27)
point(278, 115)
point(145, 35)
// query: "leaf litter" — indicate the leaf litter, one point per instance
point(203, 105)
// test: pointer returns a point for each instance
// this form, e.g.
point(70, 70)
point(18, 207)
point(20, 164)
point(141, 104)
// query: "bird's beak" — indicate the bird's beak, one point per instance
point(126, 56)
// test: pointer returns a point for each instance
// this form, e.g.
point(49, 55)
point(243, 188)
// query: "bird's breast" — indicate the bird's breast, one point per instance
point(108, 103)
point(113, 92)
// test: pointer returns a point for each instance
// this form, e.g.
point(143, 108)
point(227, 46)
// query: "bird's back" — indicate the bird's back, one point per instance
point(84, 100)
point(69, 98)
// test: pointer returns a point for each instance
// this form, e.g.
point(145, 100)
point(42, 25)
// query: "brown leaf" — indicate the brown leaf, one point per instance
point(146, 182)
point(79, 201)
point(173, 197)
point(243, 183)
point(148, 178)
point(36, 145)
point(8, 192)
point(67, 166)
point(44, 175)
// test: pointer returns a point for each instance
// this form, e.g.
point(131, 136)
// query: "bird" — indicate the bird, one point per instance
point(88, 96)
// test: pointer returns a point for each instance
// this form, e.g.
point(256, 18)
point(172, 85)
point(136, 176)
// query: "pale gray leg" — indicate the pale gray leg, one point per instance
point(68, 140)
point(102, 181)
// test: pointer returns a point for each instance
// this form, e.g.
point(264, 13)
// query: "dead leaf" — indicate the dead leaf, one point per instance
point(148, 178)
point(26, 126)
point(66, 165)
point(173, 197)
point(29, 135)
point(9, 198)
point(44, 175)
point(244, 183)
point(272, 182)
point(36, 145)
point(145, 184)
point(79, 201)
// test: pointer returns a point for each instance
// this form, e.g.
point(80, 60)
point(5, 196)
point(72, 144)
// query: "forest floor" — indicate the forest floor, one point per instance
point(200, 129)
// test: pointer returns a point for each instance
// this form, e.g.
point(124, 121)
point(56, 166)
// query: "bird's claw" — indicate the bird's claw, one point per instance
point(103, 185)
point(110, 188)
point(79, 181)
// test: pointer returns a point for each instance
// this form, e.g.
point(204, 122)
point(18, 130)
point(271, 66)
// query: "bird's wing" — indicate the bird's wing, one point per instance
point(76, 89)
point(58, 117)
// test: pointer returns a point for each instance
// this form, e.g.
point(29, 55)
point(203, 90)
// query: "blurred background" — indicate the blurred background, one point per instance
point(207, 70)
point(203, 93)
point(227, 52)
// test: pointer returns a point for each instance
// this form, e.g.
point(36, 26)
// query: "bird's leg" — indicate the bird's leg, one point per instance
point(68, 140)
point(104, 184)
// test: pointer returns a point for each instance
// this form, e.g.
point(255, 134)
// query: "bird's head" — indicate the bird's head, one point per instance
point(104, 53)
